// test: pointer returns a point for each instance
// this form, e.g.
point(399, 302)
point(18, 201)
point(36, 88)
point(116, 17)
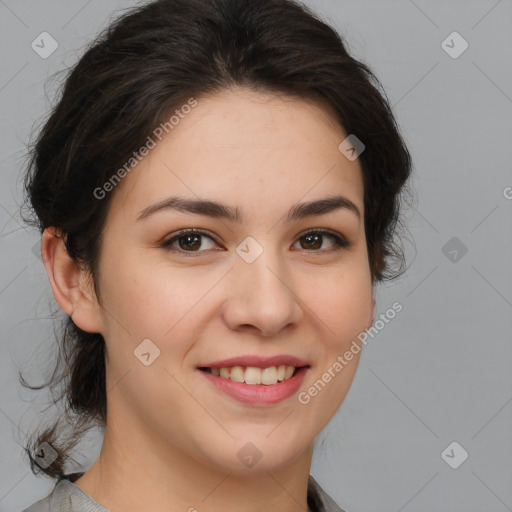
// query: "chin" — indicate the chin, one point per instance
point(249, 454)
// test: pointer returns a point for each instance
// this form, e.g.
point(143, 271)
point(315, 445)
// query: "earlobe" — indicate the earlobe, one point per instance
point(71, 285)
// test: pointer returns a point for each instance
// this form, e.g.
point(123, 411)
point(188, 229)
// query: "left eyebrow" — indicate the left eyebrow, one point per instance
point(234, 214)
point(322, 207)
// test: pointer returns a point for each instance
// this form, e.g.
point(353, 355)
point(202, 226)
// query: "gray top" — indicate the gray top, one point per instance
point(68, 497)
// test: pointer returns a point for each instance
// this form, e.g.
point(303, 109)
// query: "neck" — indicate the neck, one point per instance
point(130, 477)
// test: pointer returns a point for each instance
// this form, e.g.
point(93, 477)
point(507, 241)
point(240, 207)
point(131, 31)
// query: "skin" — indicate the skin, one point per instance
point(171, 439)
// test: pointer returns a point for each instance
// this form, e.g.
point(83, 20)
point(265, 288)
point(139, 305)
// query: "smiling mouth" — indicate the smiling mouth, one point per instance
point(253, 375)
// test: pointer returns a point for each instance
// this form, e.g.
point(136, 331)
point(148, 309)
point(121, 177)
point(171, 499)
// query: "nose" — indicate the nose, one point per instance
point(261, 296)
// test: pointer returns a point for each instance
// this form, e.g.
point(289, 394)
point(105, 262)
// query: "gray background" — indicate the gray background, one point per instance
point(437, 373)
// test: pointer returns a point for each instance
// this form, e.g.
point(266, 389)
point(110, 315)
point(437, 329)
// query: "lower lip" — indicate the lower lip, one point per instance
point(258, 394)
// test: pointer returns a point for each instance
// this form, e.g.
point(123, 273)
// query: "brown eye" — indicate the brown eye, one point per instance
point(313, 241)
point(190, 241)
point(187, 240)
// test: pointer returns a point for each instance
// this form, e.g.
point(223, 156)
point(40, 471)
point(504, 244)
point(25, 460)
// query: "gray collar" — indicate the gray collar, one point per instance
point(68, 497)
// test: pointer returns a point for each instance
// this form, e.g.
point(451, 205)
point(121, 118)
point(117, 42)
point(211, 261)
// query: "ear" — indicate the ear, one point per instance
point(72, 286)
point(371, 314)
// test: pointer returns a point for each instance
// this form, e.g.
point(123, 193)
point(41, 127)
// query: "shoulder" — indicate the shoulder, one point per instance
point(319, 500)
point(56, 501)
point(66, 497)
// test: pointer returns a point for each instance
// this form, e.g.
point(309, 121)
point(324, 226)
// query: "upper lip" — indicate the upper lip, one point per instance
point(257, 361)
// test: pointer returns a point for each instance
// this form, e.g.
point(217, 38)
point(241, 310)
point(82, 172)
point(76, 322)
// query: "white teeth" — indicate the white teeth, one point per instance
point(237, 374)
point(254, 375)
point(269, 375)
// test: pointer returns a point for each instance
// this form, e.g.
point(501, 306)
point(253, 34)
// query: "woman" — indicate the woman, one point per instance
point(218, 192)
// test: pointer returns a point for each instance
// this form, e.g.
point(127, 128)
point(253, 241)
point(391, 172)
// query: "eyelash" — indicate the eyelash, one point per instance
point(339, 241)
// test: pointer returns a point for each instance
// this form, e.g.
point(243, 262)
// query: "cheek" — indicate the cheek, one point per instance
point(341, 302)
point(342, 309)
point(149, 300)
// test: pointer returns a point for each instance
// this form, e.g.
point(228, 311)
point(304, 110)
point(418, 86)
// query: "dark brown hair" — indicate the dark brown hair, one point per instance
point(143, 67)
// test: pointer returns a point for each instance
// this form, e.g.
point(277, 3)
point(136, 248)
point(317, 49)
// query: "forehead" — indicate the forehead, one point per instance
point(246, 147)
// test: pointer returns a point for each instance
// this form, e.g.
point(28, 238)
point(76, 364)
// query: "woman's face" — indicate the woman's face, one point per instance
point(255, 286)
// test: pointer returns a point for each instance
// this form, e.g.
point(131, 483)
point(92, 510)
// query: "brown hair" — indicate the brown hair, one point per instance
point(137, 71)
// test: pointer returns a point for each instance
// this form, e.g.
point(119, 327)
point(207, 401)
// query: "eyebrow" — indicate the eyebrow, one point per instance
point(234, 214)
